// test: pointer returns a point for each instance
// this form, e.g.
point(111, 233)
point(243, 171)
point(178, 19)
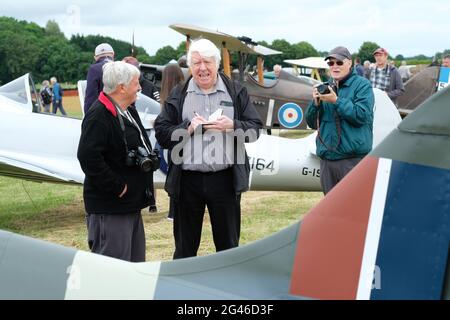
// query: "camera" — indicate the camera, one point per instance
point(323, 88)
point(144, 160)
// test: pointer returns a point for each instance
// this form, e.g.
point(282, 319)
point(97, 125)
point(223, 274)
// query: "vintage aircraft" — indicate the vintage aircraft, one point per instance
point(272, 99)
point(421, 86)
point(42, 147)
point(315, 66)
point(381, 233)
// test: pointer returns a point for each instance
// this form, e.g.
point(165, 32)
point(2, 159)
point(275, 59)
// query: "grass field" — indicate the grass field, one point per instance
point(72, 107)
point(56, 213)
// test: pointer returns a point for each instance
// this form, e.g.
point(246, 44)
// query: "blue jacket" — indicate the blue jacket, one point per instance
point(94, 83)
point(346, 127)
point(57, 92)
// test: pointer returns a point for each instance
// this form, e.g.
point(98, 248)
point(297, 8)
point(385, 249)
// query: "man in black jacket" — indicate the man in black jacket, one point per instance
point(116, 186)
point(204, 124)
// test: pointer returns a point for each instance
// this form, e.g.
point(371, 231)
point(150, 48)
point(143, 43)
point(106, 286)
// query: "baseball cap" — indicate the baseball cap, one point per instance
point(339, 53)
point(380, 50)
point(103, 48)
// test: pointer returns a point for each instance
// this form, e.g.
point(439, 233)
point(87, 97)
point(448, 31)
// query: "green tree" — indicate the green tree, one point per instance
point(52, 29)
point(366, 50)
point(181, 49)
point(19, 48)
point(164, 55)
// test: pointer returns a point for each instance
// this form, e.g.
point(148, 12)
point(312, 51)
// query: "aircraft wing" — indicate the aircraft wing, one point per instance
point(311, 62)
point(40, 168)
point(218, 38)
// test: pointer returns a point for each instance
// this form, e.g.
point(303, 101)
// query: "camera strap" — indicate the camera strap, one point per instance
point(120, 115)
point(122, 126)
point(338, 129)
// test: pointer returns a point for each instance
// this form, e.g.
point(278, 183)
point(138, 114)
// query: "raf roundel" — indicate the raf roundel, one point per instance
point(290, 115)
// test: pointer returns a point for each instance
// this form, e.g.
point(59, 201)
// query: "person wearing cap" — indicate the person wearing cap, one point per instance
point(103, 54)
point(385, 76)
point(343, 119)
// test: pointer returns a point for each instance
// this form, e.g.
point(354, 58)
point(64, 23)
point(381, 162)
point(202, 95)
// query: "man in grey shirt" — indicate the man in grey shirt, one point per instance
point(204, 124)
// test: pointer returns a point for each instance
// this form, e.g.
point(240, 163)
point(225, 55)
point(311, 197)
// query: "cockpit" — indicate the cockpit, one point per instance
point(23, 92)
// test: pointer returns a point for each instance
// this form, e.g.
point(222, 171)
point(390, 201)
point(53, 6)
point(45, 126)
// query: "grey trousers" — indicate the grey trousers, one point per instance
point(117, 235)
point(331, 172)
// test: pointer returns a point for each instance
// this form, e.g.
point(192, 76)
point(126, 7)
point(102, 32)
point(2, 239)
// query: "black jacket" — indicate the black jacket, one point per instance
point(149, 89)
point(94, 82)
point(170, 119)
point(102, 154)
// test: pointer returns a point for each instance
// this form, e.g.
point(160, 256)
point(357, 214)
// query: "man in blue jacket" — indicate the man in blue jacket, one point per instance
point(103, 53)
point(343, 117)
point(57, 97)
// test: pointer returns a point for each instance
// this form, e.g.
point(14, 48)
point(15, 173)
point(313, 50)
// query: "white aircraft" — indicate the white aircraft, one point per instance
point(310, 65)
point(42, 147)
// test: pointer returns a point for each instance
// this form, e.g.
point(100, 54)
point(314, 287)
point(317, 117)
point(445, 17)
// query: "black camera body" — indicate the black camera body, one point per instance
point(323, 88)
point(143, 159)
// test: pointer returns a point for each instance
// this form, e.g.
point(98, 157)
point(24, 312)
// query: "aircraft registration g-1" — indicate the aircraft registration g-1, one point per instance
point(43, 147)
point(382, 233)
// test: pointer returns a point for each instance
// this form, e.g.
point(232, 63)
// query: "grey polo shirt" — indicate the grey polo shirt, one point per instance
point(212, 150)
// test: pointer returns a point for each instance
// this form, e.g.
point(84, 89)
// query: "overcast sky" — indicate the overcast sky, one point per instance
point(402, 27)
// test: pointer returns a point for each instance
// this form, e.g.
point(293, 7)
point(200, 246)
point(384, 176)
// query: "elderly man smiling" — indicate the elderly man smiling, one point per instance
point(116, 186)
point(210, 109)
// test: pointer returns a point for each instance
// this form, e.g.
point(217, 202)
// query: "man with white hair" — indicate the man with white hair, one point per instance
point(214, 116)
point(118, 183)
point(103, 54)
point(277, 70)
point(57, 97)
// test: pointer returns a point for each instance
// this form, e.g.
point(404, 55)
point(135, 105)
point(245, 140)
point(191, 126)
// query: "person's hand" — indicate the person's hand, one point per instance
point(329, 97)
point(125, 189)
point(57, 101)
point(195, 122)
point(316, 96)
point(222, 123)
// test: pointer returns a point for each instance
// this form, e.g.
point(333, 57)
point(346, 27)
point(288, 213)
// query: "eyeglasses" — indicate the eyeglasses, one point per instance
point(331, 63)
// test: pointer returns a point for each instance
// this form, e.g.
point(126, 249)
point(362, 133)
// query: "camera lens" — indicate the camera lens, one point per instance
point(145, 164)
point(323, 88)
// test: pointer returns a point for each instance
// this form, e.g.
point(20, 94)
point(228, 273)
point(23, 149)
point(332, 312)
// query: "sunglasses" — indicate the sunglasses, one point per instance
point(331, 63)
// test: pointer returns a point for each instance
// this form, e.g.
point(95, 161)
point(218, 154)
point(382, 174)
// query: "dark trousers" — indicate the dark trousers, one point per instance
point(331, 172)
point(212, 190)
point(59, 106)
point(117, 235)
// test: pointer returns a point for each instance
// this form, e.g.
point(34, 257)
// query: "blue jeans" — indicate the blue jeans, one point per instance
point(57, 104)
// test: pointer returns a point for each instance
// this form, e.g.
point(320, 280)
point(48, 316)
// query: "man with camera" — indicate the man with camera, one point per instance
point(118, 161)
point(342, 113)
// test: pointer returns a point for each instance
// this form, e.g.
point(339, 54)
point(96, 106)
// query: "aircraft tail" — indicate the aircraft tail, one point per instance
point(384, 231)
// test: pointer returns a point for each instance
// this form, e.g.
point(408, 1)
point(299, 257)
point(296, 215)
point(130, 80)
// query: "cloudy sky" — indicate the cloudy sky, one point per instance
point(403, 27)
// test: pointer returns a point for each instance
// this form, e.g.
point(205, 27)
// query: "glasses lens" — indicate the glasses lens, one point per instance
point(331, 63)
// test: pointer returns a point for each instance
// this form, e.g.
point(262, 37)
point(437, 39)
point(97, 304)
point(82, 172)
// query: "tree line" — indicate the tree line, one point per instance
point(46, 52)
